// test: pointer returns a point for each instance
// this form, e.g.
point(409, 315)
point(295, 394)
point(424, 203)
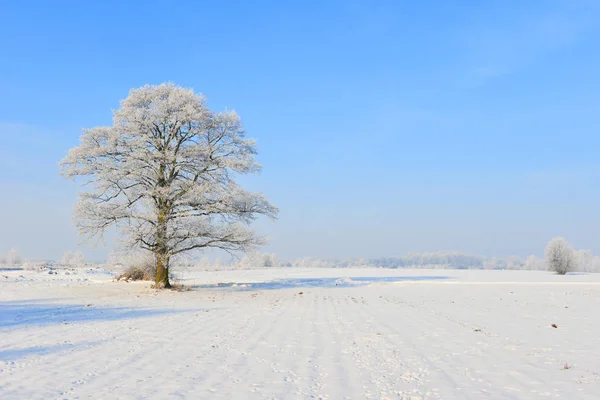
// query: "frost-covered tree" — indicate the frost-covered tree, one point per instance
point(584, 260)
point(595, 265)
point(258, 260)
point(514, 263)
point(532, 263)
point(13, 258)
point(560, 256)
point(164, 173)
point(492, 263)
point(72, 258)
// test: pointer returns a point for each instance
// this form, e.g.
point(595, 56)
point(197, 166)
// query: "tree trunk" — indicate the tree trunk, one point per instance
point(162, 272)
point(162, 258)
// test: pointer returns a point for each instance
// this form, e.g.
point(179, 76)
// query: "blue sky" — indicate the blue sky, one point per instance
point(384, 127)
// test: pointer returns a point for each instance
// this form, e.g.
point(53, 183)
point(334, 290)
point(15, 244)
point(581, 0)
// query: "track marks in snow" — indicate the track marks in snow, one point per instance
point(382, 341)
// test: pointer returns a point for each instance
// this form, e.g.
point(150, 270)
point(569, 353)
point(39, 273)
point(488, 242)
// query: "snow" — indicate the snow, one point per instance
point(301, 333)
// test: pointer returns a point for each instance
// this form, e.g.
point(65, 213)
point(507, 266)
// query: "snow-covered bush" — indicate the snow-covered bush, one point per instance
point(138, 273)
point(560, 256)
point(138, 265)
point(72, 258)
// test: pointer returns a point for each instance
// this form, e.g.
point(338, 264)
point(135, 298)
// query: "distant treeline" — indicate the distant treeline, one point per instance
point(584, 261)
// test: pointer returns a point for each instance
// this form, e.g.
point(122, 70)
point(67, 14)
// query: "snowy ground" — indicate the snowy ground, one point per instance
point(301, 333)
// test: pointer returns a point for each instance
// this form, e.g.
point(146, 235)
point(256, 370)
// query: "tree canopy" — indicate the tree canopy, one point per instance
point(165, 174)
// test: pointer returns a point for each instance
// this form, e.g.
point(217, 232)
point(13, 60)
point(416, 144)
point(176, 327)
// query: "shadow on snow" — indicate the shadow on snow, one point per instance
point(41, 312)
point(315, 282)
point(15, 354)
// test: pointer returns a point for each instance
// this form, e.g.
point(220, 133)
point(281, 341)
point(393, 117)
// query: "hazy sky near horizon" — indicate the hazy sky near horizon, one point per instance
point(384, 127)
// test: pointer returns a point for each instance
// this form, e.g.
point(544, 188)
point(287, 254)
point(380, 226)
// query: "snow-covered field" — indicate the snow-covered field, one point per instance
point(301, 333)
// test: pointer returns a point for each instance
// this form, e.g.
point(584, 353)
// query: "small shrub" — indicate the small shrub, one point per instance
point(139, 266)
point(145, 272)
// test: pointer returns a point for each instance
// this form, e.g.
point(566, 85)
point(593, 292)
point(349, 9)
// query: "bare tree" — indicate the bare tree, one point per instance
point(560, 256)
point(164, 172)
point(72, 258)
point(13, 258)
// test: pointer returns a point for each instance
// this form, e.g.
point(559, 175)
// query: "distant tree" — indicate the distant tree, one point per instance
point(257, 260)
point(13, 258)
point(514, 263)
point(532, 263)
point(203, 262)
point(164, 173)
point(270, 260)
point(584, 260)
point(72, 258)
point(560, 256)
point(595, 264)
point(491, 264)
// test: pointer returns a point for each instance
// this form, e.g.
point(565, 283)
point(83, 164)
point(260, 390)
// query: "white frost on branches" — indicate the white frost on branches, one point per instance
point(72, 258)
point(258, 260)
point(164, 172)
point(532, 263)
point(586, 261)
point(560, 256)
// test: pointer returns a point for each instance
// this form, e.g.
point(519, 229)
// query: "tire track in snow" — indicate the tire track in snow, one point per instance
point(459, 378)
point(388, 371)
point(233, 361)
